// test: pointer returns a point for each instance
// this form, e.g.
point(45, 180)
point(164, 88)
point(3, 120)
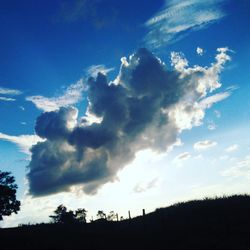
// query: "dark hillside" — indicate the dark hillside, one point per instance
point(210, 224)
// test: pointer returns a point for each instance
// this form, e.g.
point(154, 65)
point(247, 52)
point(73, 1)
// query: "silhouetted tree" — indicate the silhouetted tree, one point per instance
point(80, 215)
point(111, 216)
point(101, 214)
point(8, 202)
point(61, 215)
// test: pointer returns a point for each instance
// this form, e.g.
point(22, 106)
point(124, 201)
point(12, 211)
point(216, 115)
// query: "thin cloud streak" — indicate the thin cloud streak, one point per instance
point(183, 156)
point(240, 169)
point(95, 69)
point(7, 99)
point(209, 101)
point(24, 142)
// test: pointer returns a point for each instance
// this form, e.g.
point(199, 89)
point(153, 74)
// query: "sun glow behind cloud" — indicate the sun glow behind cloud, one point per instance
point(121, 137)
point(122, 129)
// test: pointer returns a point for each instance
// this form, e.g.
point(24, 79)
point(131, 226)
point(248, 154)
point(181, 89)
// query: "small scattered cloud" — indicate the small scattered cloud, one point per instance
point(22, 108)
point(24, 123)
point(95, 69)
point(217, 113)
point(211, 125)
point(142, 187)
point(199, 51)
point(232, 148)
point(203, 145)
point(7, 91)
point(178, 18)
point(24, 142)
point(72, 95)
point(183, 156)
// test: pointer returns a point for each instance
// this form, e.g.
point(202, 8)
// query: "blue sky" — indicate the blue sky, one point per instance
point(48, 52)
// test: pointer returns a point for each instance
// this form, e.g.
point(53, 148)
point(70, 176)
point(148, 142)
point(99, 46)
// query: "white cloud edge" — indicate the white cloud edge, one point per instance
point(93, 70)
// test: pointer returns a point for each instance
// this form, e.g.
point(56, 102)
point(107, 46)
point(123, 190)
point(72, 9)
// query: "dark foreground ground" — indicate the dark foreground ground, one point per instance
point(209, 224)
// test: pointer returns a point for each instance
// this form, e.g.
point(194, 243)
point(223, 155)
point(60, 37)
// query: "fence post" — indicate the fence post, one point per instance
point(129, 215)
point(143, 212)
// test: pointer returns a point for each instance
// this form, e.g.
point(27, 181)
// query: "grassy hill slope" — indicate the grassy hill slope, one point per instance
point(222, 223)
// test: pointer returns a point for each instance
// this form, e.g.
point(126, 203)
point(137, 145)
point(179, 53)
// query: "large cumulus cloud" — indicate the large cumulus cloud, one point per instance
point(146, 106)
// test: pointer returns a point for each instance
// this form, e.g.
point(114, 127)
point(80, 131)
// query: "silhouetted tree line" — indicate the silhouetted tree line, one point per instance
point(65, 216)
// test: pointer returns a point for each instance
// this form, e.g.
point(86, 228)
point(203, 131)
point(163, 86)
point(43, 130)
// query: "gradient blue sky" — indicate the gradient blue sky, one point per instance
point(47, 48)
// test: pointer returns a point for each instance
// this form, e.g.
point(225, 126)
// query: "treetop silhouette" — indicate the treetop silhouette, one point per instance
point(8, 202)
point(62, 215)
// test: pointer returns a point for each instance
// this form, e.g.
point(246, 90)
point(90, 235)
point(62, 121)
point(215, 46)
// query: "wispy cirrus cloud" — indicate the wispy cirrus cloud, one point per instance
point(177, 18)
point(24, 142)
point(71, 11)
point(203, 145)
point(72, 95)
point(240, 169)
point(142, 187)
